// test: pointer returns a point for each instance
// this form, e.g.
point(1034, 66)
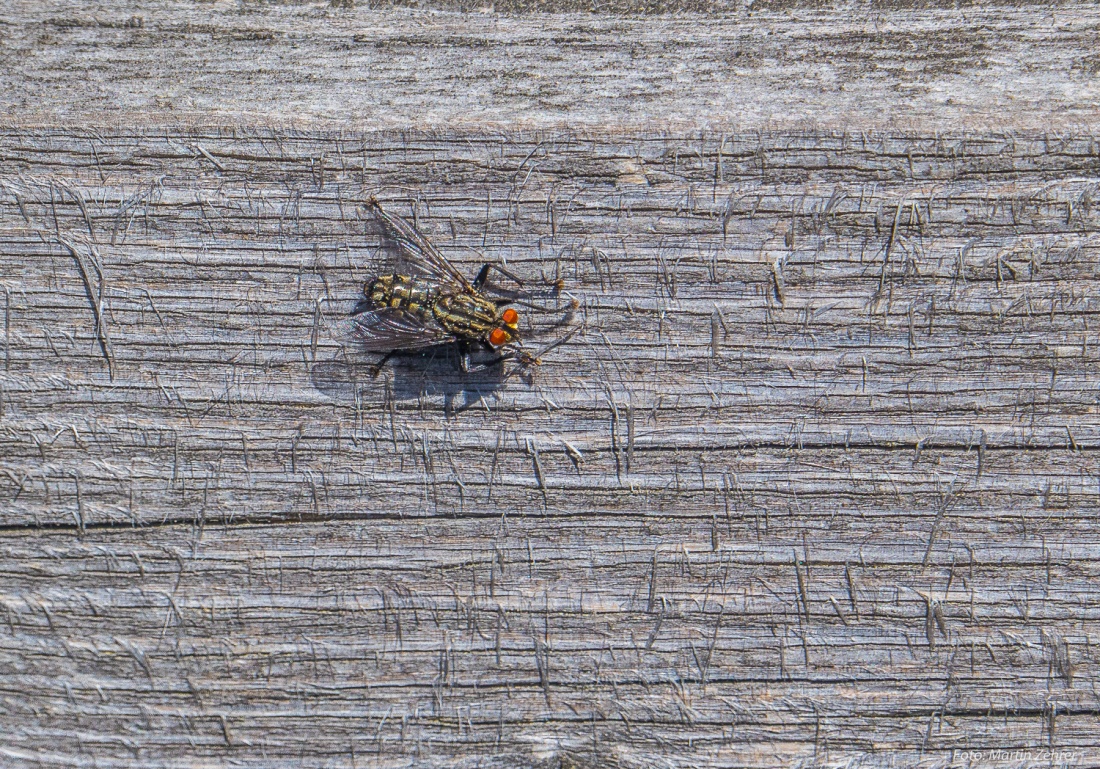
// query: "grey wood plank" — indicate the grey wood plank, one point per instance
point(679, 66)
point(826, 502)
point(815, 485)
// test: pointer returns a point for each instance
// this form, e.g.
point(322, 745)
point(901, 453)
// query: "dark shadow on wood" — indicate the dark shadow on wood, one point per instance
point(435, 372)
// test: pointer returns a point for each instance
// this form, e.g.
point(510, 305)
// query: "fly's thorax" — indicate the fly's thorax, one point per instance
point(411, 294)
point(467, 316)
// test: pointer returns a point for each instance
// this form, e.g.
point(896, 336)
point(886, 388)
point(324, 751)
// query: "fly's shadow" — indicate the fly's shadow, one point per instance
point(431, 374)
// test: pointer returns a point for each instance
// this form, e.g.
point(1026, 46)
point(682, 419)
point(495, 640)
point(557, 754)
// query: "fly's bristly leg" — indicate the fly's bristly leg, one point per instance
point(558, 342)
point(483, 275)
point(464, 350)
point(484, 365)
point(527, 359)
point(488, 364)
point(376, 369)
point(552, 287)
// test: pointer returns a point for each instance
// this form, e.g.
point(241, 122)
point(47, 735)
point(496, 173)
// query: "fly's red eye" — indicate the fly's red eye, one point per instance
point(498, 337)
point(510, 316)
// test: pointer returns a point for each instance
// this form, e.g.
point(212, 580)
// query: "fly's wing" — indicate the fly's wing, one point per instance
point(415, 251)
point(388, 329)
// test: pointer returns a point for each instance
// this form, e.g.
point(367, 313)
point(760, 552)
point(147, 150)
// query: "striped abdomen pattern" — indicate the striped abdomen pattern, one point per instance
point(409, 294)
point(466, 316)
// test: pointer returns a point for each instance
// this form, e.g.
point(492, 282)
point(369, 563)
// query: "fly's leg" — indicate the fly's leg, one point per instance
point(527, 360)
point(535, 359)
point(464, 350)
point(377, 368)
point(486, 364)
point(483, 275)
point(524, 358)
point(521, 355)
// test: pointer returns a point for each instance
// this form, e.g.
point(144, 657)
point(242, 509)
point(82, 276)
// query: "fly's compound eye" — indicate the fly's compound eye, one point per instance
point(510, 318)
point(498, 337)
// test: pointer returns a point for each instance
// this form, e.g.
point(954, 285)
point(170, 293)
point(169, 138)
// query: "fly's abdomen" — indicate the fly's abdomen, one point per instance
point(465, 315)
point(402, 292)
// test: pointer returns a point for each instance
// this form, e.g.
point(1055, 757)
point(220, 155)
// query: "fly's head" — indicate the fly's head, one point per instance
point(506, 330)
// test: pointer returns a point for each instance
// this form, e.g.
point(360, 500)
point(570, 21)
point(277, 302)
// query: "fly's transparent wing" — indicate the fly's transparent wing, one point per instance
point(388, 329)
point(415, 251)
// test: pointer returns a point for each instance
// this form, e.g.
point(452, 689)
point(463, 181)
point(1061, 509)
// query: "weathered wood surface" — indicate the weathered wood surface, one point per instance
point(829, 502)
point(817, 485)
point(778, 64)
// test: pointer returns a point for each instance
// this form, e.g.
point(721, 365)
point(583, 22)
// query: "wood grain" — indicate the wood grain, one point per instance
point(815, 484)
point(644, 65)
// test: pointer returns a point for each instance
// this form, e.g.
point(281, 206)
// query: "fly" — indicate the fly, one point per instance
point(426, 302)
